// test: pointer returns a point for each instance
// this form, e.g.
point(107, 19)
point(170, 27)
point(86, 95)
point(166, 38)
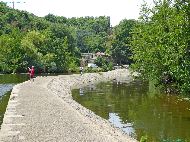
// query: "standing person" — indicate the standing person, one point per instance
point(31, 73)
point(81, 70)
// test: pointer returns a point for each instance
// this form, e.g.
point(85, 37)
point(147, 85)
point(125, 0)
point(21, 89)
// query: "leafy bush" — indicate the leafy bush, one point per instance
point(161, 44)
point(103, 63)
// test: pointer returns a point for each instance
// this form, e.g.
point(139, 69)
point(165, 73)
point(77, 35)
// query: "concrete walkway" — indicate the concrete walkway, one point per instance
point(36, 114)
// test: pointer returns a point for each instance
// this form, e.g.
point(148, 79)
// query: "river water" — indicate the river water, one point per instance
point(7, 82)
point(138, 111)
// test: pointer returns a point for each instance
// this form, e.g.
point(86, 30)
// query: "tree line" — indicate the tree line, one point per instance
point(50, 43)
point(157, 44)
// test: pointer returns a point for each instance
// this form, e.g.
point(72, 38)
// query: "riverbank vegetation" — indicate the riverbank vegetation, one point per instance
point(161, 44)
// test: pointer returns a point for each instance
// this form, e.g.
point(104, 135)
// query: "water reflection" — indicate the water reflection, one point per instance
point(13, 78)
point(131, 107)
point(5, 88)
point(81, 92)
point(117, 122)
point(3, 104)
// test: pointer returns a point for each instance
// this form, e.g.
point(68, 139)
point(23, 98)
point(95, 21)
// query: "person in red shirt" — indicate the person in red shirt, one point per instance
point(31, 73)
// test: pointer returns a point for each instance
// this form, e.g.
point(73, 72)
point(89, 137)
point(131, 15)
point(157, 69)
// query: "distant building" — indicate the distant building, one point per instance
point(91, 57)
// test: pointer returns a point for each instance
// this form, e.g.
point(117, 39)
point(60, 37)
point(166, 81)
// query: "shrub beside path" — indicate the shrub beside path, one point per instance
point(44, 111)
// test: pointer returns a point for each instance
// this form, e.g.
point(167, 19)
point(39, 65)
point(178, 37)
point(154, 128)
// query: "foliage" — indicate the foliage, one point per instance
point(55, 43)
point(90, 33)
point(104, 63)
point(11, 53)
point(51, 43)
point(120, 49)
point(160, 44)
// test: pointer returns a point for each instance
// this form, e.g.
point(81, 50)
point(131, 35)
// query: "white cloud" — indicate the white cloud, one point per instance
point(116, 9)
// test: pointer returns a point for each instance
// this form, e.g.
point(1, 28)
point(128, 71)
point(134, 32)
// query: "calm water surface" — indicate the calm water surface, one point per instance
point(137, 111)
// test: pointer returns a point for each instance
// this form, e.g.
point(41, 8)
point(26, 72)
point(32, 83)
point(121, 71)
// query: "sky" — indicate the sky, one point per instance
point(116, 9)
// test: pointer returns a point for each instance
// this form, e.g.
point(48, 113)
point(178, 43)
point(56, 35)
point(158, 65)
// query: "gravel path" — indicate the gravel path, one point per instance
point(44, 111)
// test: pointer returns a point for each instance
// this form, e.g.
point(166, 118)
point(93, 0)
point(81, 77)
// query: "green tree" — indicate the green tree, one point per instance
point(160, 44)
point(104, 63)
point(31, 45)
point(120, 49)
point(10, 52)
